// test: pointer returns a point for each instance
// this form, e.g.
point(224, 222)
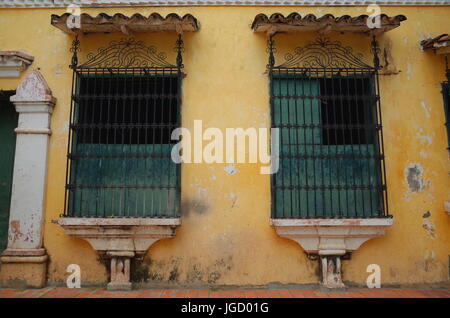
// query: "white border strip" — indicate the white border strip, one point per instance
point(156, 3)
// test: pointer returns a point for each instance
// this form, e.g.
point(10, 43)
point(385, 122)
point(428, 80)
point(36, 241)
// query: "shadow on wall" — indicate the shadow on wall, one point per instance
point(193, 206)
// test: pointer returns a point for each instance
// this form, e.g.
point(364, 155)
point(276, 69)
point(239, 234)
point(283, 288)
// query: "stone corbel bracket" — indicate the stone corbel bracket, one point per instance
point(120, 239)
point(331, 239)
point(12, 63)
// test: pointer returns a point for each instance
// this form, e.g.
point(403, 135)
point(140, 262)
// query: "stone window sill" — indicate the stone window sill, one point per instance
point(120, 234)
point(330, 239)
point(120, 239)
point(330, 236)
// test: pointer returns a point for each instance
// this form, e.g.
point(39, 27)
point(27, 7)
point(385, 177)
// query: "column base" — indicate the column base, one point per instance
point(120, 270)
point(331, 272)
point(23, 269)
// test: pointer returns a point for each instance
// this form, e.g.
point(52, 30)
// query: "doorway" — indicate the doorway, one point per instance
point(8, 122)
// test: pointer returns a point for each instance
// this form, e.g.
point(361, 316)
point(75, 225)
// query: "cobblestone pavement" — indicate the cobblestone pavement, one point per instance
point(59, 292)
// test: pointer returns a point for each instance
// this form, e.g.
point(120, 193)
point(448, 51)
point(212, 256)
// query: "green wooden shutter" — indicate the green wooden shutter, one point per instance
point(126, 186)
point(289, 201)
point(8, 122)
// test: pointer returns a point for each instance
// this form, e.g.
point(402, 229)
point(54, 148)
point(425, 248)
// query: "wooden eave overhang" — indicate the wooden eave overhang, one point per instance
point(104, 23)
point(440, 44)
point(294, 22)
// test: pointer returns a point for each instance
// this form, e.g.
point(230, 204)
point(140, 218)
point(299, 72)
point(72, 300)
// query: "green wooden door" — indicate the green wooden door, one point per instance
point(318, 178)
point(8, 122)
point(446, 93)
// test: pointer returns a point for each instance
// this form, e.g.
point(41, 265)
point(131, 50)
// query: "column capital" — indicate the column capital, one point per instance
point(12, 63)
point(34, 92)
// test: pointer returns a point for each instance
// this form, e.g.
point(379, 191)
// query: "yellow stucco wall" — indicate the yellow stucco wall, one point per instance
point(225, 236)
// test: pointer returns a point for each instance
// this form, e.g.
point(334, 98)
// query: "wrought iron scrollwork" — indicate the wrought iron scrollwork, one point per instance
point(447, 69)
point(323, 53)
point(376, 53)
point(74, 49)
point(126, 53)
point(179, 49)
point(271, 49)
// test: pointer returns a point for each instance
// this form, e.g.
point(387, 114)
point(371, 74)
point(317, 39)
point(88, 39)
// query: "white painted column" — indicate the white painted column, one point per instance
point(34, 103)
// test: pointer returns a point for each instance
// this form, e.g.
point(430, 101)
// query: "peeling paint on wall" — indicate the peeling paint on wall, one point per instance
point(58, 70)
point(423, 154)
point(230, 169)
point(423, 104)
point(424, 139)
point(14, 231)
point(414, 178)
point(428, 225)
point(233, 198)
point(430, 262)
point(409, 71)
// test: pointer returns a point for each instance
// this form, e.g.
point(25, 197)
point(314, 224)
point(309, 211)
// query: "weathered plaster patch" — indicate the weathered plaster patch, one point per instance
point(423, 154)
point(58, 70)
point(139, 270)
point(219, 268)
point(180, 270)
point(428, 225)
point(423, 104)
point(430, 263)
point(232, 197)
point(409, 71)
point(195, 274)
point(174, 273)
point(426, 140)
point(230, 169)
point(390, 67)
point(263, 119)
point(414, 178)
point(393, 273)
point(14, 231)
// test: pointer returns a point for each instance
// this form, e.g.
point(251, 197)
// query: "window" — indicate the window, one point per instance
point(344, 110)
point(126, 109)
point(329, 154)
point(325, 102)
point(120, 156)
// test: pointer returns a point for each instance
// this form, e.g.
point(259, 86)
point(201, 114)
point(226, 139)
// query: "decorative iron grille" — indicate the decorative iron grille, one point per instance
point(125, 104)
point(325, 102)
